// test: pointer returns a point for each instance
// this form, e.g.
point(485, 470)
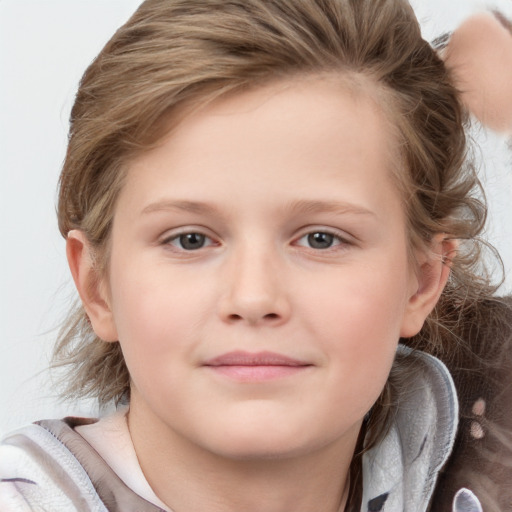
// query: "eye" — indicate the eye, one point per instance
point(320, 240)
point(189, 241)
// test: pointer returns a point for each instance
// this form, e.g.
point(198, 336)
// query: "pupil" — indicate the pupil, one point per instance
point(192, 241)
point(320, 240)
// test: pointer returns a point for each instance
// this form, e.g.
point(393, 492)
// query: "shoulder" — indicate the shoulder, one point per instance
point(51, 467)
point(38, 472)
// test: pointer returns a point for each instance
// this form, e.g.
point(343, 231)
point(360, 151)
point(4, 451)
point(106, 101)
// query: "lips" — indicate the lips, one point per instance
point(240, 358)
point(261, 366)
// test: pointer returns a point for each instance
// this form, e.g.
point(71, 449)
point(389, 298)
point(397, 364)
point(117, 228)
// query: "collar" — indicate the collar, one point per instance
point(401, 471)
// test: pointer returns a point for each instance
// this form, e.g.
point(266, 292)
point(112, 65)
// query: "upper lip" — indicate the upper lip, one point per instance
point(242, 358)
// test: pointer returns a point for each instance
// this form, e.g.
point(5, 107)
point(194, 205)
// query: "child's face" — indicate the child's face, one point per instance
point(259, 277)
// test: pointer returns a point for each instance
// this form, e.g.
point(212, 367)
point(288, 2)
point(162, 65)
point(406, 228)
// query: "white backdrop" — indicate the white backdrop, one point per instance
point(45, 46)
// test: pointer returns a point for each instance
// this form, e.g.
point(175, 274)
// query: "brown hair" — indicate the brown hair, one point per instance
point(187, 52)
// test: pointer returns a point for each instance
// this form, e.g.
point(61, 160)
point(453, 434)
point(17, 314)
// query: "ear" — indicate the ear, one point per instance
point(91, 287)
point(433, 271)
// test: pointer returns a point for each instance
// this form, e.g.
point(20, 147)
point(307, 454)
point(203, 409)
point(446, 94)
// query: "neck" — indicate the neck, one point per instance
point(189, 478)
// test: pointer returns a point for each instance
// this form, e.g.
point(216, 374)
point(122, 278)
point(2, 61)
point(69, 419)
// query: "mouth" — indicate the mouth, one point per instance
point(255, 367)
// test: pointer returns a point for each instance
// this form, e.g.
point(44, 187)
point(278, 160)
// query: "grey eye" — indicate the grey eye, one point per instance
point(190, 241)
point(320, 240)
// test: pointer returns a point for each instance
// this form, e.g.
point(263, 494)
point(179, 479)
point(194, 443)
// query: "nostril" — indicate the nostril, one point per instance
point(234, 317)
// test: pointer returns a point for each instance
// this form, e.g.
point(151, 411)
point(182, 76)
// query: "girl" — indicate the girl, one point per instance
point(271, 222)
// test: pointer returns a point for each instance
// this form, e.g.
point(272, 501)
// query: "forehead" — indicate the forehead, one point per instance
point(308, 133)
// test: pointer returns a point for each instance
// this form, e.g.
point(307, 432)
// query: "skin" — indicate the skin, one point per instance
point(273, 166)
point(480, 56)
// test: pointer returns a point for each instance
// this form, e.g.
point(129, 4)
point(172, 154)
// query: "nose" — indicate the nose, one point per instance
point(254, 291)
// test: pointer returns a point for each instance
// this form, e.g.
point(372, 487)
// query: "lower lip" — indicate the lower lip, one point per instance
point(249, 373)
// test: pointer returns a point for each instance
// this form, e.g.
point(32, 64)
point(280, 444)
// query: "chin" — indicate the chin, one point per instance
point(265, 442)
point(256, 449)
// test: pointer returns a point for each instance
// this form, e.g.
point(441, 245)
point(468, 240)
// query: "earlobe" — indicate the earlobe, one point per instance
point(91, 287)
point(432, 276)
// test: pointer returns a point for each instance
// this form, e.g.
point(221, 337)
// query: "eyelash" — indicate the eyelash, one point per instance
point(179, 238)
point(337, 240)
point(177, 241)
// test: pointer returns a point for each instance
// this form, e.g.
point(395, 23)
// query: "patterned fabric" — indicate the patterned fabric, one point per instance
point(466, 501)
point(481, 460)
point(400, 473)
point(49, 467)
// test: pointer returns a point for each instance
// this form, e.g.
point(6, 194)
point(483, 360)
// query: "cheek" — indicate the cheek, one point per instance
point(156, 338)
point(364, 302)
point(155, 313)
point(357, 323)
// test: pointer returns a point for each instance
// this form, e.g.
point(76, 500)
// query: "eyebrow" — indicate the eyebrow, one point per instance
point(187, 206)
point(337, 207)
point(301, 206)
